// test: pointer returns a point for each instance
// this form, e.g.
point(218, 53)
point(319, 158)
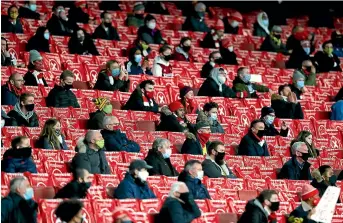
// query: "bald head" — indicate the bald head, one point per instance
point(17, 80)
point(92, 136)
point(110, 122)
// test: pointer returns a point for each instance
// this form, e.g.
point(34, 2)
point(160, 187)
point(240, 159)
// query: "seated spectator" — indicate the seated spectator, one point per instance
point(78, 12)
point(70, 211)
point(18, 205)
point(121, 215)
point(142, 46)
point(273, 42)
point(226, 50)
point(23, 112)
point(297, 168)
point(137, 64)
point(11, 23)
point(214, 86)
point(112, 78)
point(105, 30)
point(196, 20)
point(156, 8)
point(285, 104)
point(261, 209)
point(61, 96)
point(327, 60)
point(307, 138)
point(142, 98)
point(337, 42)
point(148, 31)
point(18, 159)
point(81, 43)
point(197, 144)
point(210, 113)
point(242, 84)
point(115, 140)
point(214, 165)
point(11, 91)
point(215, 58)
point(261, 26)
point(40, 41)
point(323, 177)
point(300, 53)
point(253, 144)
point(307, 72)
point(214, 37)
point(339, 95)
point(91, 154)
point(59, 24)
point(159, 158)
point(96, 119)
point(78, 187)
point(182, 51)
point(28, 10)
point(34, 75)
point(136, 18)
point(179, 206)
point(51, 136)
point(161, 66)
point(135, 185)
point(232, 22)
point(268, 116)
point(293, 40)
point(192, 176)
point(337, 108)
point(6, 59)
point(298, 84)
point(187, 99)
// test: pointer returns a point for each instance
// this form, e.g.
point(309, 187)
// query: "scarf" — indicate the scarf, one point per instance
point(14, 89)
point(147, 102)
point(25, 116)
point(259, 21)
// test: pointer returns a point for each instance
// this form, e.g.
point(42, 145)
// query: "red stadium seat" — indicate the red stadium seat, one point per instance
point(131, 205)
point(218, 206)
point(226, 194)
point(202, 204)
point(256, 184)
point(107, 180)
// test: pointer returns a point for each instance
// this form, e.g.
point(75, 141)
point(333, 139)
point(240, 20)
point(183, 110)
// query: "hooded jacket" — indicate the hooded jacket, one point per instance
point(195, 186)
point(249, 146)
point(118, 141)
point(38, 42)
point(20, 119)
point(259, 28)
point(136, 102)
point(254, 213)
point(18, 161)
point(160, 165)
point(240, 86)
point(286, 110)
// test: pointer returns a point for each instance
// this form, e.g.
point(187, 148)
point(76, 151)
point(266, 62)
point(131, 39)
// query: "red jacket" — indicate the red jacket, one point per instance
point(180, 57)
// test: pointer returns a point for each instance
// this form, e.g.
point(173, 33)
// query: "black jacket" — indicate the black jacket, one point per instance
point(136, 103)
point(95, 120)
point(173, 211)
point(296, 90)
point(88, 47)
point(322, 186)
point(206, 70)
point(38, 42)
point(75, 14)
point(146, 34)
point(18, 120)
point(103, 83)
point(208, 41)
point(228, 57)
point(30, 80)
point(325, 63)
point(100, 33)
point(15, 209)
point(195, 186)
point(228, 27)
point(118, 141)
point(269, 45)
point(160, 166)
point(8, 97)
point(60, 27)
point(211, 89)
point(18, 161)
point(8, 27)
point(297, 57)
point(270, 130)
point(27, 13)
point(254, 213)
point(6, 61)
point(292, 171)
point(170, 123)
point(213, 170)
point(73, 189)
point(191, 146)
point(299, 212)
point(286, 110)
point(249, 146)
point(59, 97)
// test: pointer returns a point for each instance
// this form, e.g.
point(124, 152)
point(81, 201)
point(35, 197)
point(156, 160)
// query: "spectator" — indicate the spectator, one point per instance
point(6, 59)
point(159, 158)
point(18, 205)
point(182, 51)
point(23, 112)
point(59, 24)
point(253, 144)
point(179, 206)
point(78, 12)
point(148, 31)
point(337, 42)
point(309, 200)
point(70, 211)
point(51, 136)
point(195, 21)
point(323, 177)
point(226, 50)
point(137, 64)
point(122, 216)
point(261, 26)
point(300, 53)
point(105, 30)
point(40, 41)
point(61, 96)
point(273, 42)
point(115, 140)
point(214, 37)
point(327, 60)
point(268, 116)
point(294, 40)
point(214, 85)
point(306, 137)
point(137, 17)
point(156, 8)
point(214, 165)
point(242, 84)
point(232, 22)
point(113, 78)
point(197, 144)
point(210, 113)
point(78, 187)
point(135, 183)
point(285, 104)
point(142, 98)
point(298, 84)
point(11, 23)
point(142, 46)
point(261, 209)
point(192, 176)
point(96, 119)
point(162, 67)
point(11, 91)
point(81, 43)
point(34, 75)
point(297, 168)
point(215, 58)
point(308, 72)
point(91, 154)
point(28, 11)
point(187, 99)
point(18, 158)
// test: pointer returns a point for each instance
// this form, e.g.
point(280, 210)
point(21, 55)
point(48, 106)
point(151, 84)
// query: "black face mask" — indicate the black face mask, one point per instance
point(308, 69)
point(260, 133)
point(186, 48)
point(219, 157)
point(184, 196)
point(24, 152)
point(274, 206)
point(139, 16)
point(333, 179)
point(68, 86)
point(86, 185)
point(30, 107)
point(277, 36)
point(305, 156)
point(167, 58)
point(58, 132)
point(219, 61)
point(107, 24)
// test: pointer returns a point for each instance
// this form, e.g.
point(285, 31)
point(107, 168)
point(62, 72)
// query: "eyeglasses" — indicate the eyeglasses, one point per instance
point(21, 80)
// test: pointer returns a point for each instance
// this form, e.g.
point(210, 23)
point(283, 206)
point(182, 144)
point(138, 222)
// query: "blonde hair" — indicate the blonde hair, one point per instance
point(49, 132)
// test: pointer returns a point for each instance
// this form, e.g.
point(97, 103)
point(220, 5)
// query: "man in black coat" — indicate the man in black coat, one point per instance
point(159, 158)
point(28, 10)
point(273, 42)
point(96, 119)
point(10, 23)
point(214, 37)
point(59, 24)
point(197, 144)
point(213, 59)
point(326, 60)
point(268, 116)
point(261, 209)
point(105, 30)
point(81, 43)
point(11, 91)
point(78, 12)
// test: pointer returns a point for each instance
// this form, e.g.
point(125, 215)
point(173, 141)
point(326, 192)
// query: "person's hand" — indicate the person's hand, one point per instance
point(145, 64)
point(284, 126)
point(123, 74)
point(292, 97)
point(303, 89)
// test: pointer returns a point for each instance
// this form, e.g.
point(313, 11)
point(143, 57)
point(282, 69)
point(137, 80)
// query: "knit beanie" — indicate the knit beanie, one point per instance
point(138, 6)
point(174, 106)
point(202, 124)
point(308, 191)
point(34, 56)
point(266, 111)
point(184, 90)
point(219, 25)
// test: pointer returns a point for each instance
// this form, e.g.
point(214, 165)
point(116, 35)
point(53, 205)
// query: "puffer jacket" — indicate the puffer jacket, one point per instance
point(118, 141)
point(59, 97)
point(18, 161)
point(195, 186)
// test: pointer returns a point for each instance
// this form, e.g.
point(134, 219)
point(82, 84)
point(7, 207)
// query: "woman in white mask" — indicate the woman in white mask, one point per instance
point(261, 27)
point(149, 33)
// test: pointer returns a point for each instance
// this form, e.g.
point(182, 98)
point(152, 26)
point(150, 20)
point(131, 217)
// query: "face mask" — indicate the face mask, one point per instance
point(204, 136)
point(167, 154)
point(30, 107)
point(214, 116)
point(308, 69)
point(143, 175)
point(28, 194)
point(14, 15)
point(201, 14)
point(33, 7)
point(115, 72)
point(219, 157)
point(145, 46)
point(81, 38)
point(333, 179)
point(300, 84)
point(269, 119)
point(68, 86)
point(277, 36)
point(234, 24)
point(184, 196)
point(218, 61)
point(26, 152)
point(307, 50)
point(167, 57)
point(86, 185)
point(274, 206)
point(107, 24)
point(221, 79)
point(58, 132)
point(265, 22)
point(186, 48)
point(212, 63)
point(46, 36)
point(2, 123)
point(305, 156)
point(260, 133)
point(230, 48)
point(246, 78)
point(328, 51)
point(100, 143)
point(149, 94)
point(107, 109)
point(200, 175)
point(138, 58)
point(151, 25)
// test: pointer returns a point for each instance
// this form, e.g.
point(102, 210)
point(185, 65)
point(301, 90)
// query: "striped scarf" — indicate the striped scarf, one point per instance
point(25, 116)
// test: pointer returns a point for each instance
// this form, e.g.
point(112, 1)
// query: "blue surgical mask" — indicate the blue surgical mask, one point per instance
point(138, 58)
point(307, 50)
point(269, 119)
point(46, 36)
point(33, 7)
point(28, 194)
point(265, 22)
point(115, 72)
point(246, 78)
point(300, 84)
point(213, 116)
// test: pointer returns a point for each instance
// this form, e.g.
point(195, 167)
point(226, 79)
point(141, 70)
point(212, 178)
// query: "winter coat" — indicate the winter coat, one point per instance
point(299, 212)
point(18, 120)
point(195, 23)
point(326, 63)
point(73, 190)
point(191, 146)
point(133, 188)
point(134, 69)
point(270, 46)
point(30, 79)
point(206, 70)
point(27, 13)
point(160, 165)
point(44, 143)
point(88, 47)
point(60, 27)
point(270, 130)
point(170, 123)
point(6, 60)
point(101, 33)
point(77, 15)
point(211, 89)
point(259, 31)
point(59, 97)
point(249, 146)
point(8, 27)
point(18, 161)
point(286, 110)
point(208, 41)
point(337, 111)
point(322, 186)
point(133, 20)
point(8, 97)
point(292, 171)
point(296, 91)
point(38, 42)
point(241, 86)
point(254, 213)
point(228, 28)
point(96, 120)
point(136, 102)
point(297, 57)
point(195, 186)
point(150, 36)
point(229, 58)
point(118, 141)
point(181, 55)
point(103, 83)
point(213, 170)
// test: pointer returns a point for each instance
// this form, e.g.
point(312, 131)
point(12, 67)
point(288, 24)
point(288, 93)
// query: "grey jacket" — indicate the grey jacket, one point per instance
point(213, 170)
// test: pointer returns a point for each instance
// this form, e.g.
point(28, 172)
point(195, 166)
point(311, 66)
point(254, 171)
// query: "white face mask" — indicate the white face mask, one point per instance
point(2, 123)
point(167, 154)
point(221, 79)
point(200, 175)
point(234, 24)
point(143, 175)
point(151, 25)
point(214, 116)
point(230, 48)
